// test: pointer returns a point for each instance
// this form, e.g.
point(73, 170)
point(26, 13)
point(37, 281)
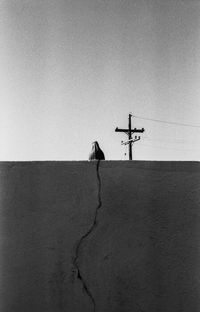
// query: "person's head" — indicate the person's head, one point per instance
point(95, 144)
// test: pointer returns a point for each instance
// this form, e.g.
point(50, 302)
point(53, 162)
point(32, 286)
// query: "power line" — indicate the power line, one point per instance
point(168, 122)
point(175, 141)
point(166, 147)
point(170, 148)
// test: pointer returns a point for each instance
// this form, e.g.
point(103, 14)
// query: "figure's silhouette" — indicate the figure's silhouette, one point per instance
point(96, 153)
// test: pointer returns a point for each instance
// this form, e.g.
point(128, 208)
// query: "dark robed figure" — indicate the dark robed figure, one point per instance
point(96, 153)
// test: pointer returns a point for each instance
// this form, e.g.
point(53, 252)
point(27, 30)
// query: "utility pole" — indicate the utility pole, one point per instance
point(129, 132)
point(129, 136)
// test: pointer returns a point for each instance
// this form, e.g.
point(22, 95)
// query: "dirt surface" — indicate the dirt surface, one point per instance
point(114, 236)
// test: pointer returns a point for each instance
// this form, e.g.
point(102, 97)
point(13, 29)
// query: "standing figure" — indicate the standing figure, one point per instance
point(96, 153)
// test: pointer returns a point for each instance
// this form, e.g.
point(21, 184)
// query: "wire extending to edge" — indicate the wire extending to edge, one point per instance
point(168, 122)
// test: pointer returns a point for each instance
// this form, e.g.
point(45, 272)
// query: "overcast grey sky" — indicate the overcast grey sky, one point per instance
point(71, 71)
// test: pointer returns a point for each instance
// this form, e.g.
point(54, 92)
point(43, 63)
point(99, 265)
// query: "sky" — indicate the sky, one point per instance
point(72, 70)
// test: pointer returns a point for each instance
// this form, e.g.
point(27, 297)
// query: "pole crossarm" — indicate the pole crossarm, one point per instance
point(132, 141)
point(132, 130)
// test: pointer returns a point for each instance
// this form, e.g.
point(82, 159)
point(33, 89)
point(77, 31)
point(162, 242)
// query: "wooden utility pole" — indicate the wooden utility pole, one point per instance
point(129, 132)
point(129, 136)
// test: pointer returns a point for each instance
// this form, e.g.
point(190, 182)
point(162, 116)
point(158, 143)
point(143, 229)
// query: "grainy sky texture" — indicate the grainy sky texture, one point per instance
point(71, 71)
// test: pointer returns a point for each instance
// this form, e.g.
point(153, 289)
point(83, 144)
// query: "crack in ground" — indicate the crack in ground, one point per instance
point(84, 237)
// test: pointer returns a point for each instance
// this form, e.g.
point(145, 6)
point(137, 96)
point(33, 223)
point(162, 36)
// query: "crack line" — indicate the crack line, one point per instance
point(81, 241)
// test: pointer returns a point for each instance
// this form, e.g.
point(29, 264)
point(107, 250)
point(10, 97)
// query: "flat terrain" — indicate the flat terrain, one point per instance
point(118, 236)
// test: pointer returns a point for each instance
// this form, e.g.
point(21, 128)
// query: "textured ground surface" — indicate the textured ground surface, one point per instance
point(109, 237)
